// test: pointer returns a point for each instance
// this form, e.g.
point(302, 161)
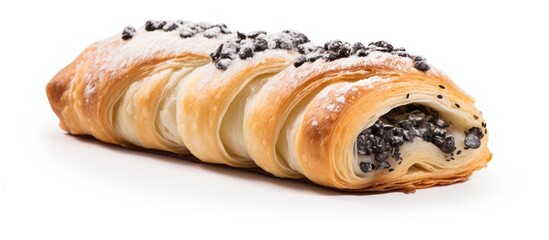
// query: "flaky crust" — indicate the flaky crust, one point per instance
point(84, 94)
point(371, 87)
point(162, 92)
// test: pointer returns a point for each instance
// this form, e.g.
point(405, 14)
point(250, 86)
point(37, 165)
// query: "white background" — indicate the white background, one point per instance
point(54, 186)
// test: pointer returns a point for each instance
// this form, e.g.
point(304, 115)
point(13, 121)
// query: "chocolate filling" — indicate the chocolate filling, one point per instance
point(406, 124)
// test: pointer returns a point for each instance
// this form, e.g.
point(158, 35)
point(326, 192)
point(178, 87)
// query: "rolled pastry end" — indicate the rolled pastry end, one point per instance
point(395, 132)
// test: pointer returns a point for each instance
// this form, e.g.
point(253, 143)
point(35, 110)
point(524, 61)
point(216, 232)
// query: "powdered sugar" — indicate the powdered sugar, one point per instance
point(89, 90)
point(331, 107)
point(340, 99)
point(113, 56)
point(369, 82)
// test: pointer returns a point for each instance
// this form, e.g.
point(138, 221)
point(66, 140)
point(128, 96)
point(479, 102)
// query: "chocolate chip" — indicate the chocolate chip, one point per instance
point(441, 123)
point(356, 47)
point(422, 66)
point(313, 57)
point(186, 34)
point(245, 53)
point(331, 57)
point(205, 25)
point(128, 32)
point(333, 45)
point(362, 53)
point(417, 118)
point(472, 141)
point(300, 61)
point(224, 29)
point(306, 48)
point(408, 135)
point(283, 43)
point(344, 51)
point(385, 46)
point(448, 145)
point(254, 34)
point(437, 140)
point(382, 156)
point(457, 105)
point(366, 166)
point(397, 141)
point(240, 35)
point(212, 32)
point(149, 26)
point(260, 45)
point(222, 64)
point(406, 124)
point(229, 50)
point(419, 58)
point(476, 131)
point(378, 126)
point(153, 25)
point(170, 27)
point(439, 131)
point(300, 38)
point(425, 131)
point(439, 96)
point(403, 54)
point(383, 165)
point(361, 141)
point(458, 152)
point(215, 55)
point(442, 86)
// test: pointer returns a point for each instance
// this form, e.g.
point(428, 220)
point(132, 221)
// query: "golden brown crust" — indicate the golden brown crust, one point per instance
point(295, 122)
point(56, 89)
point(203, 114)
point(320, 146)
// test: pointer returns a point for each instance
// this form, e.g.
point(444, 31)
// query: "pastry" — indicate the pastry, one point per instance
point(348, 116)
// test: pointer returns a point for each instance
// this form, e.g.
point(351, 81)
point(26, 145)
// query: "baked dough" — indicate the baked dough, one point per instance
point(287, 106)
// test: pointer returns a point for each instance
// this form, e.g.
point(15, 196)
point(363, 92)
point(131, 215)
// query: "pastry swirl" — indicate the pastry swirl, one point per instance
point(347, 116)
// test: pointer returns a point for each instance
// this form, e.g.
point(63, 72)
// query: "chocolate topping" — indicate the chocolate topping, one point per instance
point(128, 32)
point(153, 25)
point(186, 29)
point(288, 40)
point(245, 46)
point(336, 49)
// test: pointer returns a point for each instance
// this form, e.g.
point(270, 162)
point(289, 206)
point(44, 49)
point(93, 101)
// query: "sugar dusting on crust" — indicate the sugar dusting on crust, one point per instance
point(335, 94)
point(89, 90)
point(113, 56)
point(260, 58)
